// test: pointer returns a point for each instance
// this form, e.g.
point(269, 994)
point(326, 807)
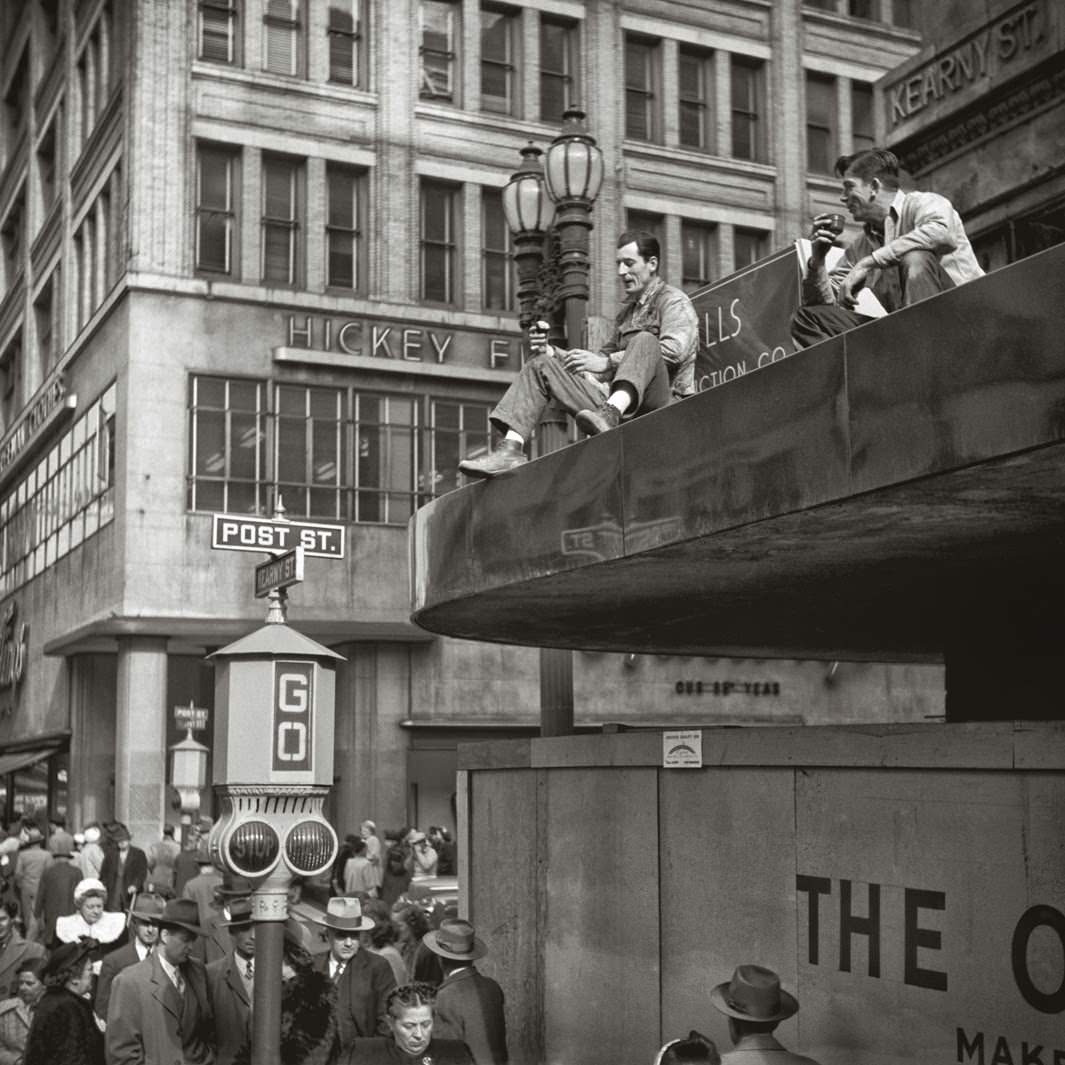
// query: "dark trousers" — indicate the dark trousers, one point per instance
point(919, 275)
point(544, 378)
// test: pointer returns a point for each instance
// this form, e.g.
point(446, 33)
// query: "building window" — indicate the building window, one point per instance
point(47, 164)
point(748, 134)
point(458, 429)
point(387, 459)
point(862, 8)
point(63, 500)
point(821, 151)
point(283, 37)
point(47, 318)
point(13, 237)
point(439, 248)
point(559, 67)
point(216, 220)
point(347, 43)
point(344, 246)
point(649, 223)
point(749, 245)
point(440, 31)
point(498, 264)
point(698, 254)
point(902, 14)
point(227, 441)
point(499, 60)
point(641, 71)
point(863, 134)
point(11, 382)
point(219, 31)
point(309, 450)
point(823, 5)
point(281, 232)
point(696, 77)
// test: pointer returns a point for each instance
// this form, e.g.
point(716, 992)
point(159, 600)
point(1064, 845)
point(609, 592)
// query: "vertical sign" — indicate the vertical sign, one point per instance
point(293, 716)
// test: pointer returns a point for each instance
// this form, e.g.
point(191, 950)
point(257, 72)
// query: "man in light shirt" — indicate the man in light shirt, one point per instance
point(912, 246)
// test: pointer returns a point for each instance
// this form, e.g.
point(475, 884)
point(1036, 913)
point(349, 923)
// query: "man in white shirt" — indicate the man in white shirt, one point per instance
point(912, 246)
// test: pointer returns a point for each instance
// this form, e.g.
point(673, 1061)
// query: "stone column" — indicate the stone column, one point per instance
point(140, 736)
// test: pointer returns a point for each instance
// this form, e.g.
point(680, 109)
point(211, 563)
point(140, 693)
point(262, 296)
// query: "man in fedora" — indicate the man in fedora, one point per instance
point(125, 869)
point(55, 894)
point(216, 941)
point(146, 909)
point(231, 983)
point(755, 1004)
point(160, 1010)
point(362, 980)
point(469, 1005)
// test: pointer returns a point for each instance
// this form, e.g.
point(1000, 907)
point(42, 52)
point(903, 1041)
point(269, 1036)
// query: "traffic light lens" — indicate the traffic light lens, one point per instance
point(309, 847)
point(254, 847)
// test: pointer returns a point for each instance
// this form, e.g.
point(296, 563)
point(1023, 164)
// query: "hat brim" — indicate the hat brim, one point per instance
point(339, 924)
point(195, 929)
point(431, 940)
point(789, 1006)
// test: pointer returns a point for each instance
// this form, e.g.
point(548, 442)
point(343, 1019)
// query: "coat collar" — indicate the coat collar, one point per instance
point(162, 986)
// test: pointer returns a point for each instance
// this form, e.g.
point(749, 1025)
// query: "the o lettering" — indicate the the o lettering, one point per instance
point(1030, 920)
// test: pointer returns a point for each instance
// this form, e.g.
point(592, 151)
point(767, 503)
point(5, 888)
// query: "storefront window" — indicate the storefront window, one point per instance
point(332, 453)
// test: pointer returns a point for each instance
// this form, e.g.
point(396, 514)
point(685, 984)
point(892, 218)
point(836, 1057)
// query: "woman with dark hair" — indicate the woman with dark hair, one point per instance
point(16, 1014)
point(382, 938)
point(395, 873)
point(695, 1050)
point(410, 1021)
point(63, 1031)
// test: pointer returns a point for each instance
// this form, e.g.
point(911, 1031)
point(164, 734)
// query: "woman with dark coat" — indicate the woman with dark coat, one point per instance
point(63, 1031)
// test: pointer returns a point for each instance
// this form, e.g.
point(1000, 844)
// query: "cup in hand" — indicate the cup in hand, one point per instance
point(833, 222)
point(538, 337)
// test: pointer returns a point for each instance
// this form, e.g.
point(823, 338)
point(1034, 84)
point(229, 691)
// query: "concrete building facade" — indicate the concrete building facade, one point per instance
point(255, 248)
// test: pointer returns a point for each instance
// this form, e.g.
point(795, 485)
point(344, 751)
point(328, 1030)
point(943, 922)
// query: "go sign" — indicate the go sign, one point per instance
point(293, 716)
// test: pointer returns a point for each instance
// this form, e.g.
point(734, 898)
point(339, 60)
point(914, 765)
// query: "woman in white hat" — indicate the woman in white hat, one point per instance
point(90, 919)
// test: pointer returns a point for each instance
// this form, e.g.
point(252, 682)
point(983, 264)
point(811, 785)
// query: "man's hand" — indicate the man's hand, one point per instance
point(853, 283)
point(825, 233)
point(577, 360)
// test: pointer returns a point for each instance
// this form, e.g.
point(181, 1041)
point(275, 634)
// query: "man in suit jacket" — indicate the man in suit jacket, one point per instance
point(145, 910)
point(124, 871)
point(469, 1005)
point(160, 1010)
point(231, 984)
point(363, 980)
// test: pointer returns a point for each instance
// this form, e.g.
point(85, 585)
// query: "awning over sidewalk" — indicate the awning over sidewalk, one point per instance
point(10, 763)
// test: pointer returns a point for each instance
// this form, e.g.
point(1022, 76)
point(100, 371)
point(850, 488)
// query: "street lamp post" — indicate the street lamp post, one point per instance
point(573, 179)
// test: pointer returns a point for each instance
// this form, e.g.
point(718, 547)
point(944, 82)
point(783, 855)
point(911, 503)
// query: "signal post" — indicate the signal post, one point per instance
point(274, 712)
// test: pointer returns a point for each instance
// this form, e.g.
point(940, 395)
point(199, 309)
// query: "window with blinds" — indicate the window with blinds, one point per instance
point(284, 22)
point(281, 195)
point(440, 33)
point(347, 39)
point(218, 31)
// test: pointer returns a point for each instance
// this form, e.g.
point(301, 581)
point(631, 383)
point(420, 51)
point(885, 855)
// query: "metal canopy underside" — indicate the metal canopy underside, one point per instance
point(887, 494)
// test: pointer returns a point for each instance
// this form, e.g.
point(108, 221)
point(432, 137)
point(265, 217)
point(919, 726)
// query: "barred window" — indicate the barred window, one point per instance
point(281, 231)
point(748, 134)
point(641, 58)
point(65, 498)
point(821, 150)
point(219, 31)
point(284, 22)
point(347, 42)
point(439, 247)
point(500, 74)
point(695, 74)
point(698, 242)
point(559, 67)
point(216, 184)
point(497, 258)
point(440, 33)
point(227, 441)
point(343, 228)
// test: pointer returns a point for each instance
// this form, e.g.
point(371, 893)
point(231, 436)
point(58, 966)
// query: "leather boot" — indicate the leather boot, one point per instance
point(601, 420)
point(508, 456)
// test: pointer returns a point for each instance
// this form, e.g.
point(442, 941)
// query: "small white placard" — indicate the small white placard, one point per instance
point(682, 749)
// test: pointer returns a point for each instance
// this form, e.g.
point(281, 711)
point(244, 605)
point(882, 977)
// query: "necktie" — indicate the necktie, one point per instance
point(179, 983)
point(249, 969)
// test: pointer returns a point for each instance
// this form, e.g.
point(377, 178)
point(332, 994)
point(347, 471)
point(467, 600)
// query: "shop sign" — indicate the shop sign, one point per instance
point(34, 422)
point(402, 341)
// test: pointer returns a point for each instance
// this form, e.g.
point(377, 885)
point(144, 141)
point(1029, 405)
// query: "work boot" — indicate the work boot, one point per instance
point(508, 456)
point(601, 420)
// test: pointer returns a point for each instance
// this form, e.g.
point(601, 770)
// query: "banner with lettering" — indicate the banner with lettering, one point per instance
point(745, 319)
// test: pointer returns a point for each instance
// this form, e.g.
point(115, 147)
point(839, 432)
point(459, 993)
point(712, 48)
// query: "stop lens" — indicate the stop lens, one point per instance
point(253, 847)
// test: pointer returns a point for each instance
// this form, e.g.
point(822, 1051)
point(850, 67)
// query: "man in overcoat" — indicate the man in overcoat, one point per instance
point(363, 980)
point(124, 871)
point(160, 1011)
point(231, 985)
point(145, 935)
point(469, 1005)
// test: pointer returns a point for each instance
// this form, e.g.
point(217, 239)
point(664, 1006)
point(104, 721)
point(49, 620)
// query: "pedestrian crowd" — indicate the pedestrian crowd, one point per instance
point(110, 955)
